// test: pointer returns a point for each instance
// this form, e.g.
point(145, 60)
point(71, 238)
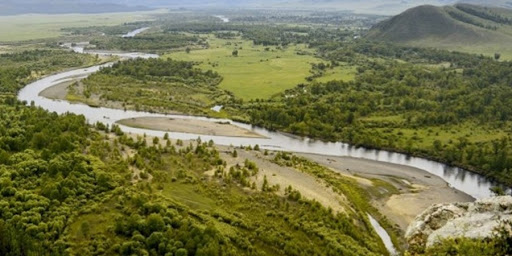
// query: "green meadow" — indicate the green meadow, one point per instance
point(343, 72)
point(41, 26)
point(257, 71)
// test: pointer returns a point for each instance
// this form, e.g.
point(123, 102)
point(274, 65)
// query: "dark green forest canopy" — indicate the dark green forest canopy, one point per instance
point(67, 188)
point(17, 69)
point(171, 70)
point(432, 90)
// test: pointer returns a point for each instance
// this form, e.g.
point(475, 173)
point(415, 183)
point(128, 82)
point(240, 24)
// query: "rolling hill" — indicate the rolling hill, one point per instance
point(462, 27)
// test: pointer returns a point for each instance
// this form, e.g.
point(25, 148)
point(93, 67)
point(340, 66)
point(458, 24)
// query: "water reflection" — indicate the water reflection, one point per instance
point(472, 184)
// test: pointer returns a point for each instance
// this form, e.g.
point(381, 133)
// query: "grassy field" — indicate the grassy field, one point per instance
point(486, 49)
point(39, 26)
point(424, 137)
point(343, 72)
point(256, 72)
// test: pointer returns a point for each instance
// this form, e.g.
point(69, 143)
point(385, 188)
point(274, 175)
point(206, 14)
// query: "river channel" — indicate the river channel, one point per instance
point(468, 182)
point(473, 184)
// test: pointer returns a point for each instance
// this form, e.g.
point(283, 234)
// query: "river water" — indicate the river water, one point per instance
point(470, 183)
point(465, 181)
point(386, 239)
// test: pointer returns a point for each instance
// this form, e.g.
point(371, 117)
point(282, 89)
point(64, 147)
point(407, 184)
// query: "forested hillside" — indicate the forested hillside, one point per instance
point(68, 187)
point(71, 188)
point(457, 112)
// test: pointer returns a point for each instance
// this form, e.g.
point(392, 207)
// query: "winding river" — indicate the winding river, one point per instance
point(473, 184)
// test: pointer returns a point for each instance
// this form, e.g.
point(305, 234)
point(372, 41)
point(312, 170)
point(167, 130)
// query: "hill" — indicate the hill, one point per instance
point(462, 27)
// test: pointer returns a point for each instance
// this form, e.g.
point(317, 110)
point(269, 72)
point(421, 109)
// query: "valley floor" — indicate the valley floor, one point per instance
point(399, 192)
point(416, 189)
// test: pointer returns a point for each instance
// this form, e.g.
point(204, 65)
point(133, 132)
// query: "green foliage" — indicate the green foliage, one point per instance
point(157, 85)
point(18, 69)
point(146, 42)
point(389, 98)
point(106, 30)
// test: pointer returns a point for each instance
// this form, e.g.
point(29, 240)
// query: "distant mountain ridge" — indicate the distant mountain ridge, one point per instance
point(447, 26)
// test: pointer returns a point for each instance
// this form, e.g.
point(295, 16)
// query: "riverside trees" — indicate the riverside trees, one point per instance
point(70, 188)
point(411, 107)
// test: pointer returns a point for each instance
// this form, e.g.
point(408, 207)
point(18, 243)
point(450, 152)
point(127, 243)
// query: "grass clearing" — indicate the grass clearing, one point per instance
point(40, 26)
point(188, 195)
point(424, 137)
point(258, 71)
point(487, 49)
point(344, 72)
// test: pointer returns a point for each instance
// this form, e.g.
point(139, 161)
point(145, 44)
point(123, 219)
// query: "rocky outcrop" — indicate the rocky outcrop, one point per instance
point(473, 220)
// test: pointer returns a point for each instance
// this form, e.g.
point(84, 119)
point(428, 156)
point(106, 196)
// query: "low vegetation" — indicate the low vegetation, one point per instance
point(255, 71)
point(457, 114)
point(153, 85)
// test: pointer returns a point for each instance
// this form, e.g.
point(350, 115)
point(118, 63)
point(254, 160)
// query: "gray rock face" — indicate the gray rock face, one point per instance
point(471, 220)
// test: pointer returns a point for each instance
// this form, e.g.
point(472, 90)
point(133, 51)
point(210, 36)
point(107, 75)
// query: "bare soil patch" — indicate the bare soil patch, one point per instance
point(189, 126)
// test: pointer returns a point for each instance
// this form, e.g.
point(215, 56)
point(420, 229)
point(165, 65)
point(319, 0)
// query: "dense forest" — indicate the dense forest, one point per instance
point(71, 188)
point(106, 30)
point(418, 109)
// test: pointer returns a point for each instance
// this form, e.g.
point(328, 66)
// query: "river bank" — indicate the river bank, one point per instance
point(189, 126)
point(417, 188)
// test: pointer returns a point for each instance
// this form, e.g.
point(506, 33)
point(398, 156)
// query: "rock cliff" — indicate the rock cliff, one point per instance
point(472, 220)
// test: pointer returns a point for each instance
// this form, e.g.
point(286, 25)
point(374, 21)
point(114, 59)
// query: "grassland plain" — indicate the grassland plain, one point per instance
point(343, 72)
point(40, 26)
point(257, 71)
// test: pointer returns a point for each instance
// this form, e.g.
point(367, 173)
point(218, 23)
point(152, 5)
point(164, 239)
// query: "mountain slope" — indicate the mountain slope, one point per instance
point(452, 27)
